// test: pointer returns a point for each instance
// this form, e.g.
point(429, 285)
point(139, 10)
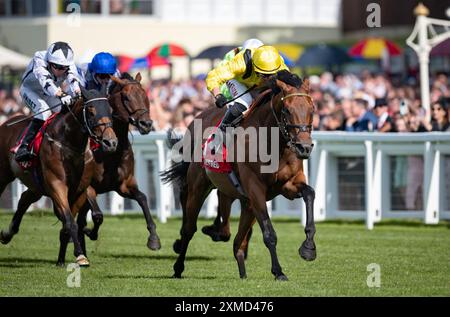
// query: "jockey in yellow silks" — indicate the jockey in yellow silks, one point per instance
point(249, 68)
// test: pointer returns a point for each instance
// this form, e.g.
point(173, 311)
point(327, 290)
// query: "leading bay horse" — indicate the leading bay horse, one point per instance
point(290, 109)
point(65, 164)
point(115, 171)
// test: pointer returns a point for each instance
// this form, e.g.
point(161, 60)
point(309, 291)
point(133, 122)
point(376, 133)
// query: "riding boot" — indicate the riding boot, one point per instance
point(23, 154)
point(233, 112)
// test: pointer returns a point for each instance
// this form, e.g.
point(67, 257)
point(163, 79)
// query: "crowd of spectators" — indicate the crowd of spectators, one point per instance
point(344, 102)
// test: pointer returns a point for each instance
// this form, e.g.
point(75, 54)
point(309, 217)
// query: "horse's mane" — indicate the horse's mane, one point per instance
point(126, 76)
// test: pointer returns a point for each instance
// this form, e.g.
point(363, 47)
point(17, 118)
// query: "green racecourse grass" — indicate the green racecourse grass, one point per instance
point(414, 261)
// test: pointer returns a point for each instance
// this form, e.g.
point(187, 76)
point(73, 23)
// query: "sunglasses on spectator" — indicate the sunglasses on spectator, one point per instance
point(59, 67)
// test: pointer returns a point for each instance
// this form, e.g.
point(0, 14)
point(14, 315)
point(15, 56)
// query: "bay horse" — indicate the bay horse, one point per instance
point(115, 171)
point(290, 109)
point(65, 164)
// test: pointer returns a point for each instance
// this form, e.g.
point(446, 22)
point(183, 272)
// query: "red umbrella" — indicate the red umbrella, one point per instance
point(374, 48)
point(168, 50)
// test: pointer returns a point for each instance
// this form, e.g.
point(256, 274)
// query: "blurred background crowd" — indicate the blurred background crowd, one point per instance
point(344, 102)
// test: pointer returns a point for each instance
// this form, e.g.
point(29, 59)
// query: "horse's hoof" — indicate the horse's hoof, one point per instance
point(176, 275)
point(92, 235)
point(82, 261)
point(60, 264)
point(4, 238)
point(281, 278)
point(177, 246)
point(243, 277)
point(214, 234)
point(308, 254)
point(154, 243)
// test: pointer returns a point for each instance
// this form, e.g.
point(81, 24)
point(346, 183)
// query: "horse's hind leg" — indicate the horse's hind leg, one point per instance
point(26, 199)
point(129, 189)
point(240, 244)
point(220, 230)
point(198, 188)
point(256, 192)
point(97, 215)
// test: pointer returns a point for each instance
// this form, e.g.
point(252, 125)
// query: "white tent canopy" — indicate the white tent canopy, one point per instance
point(14, 60)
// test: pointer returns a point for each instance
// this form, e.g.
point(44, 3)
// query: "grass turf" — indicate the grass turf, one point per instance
point(414, 260)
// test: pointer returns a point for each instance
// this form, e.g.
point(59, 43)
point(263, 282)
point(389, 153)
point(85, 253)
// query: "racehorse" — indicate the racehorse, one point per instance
point(115, 171)
point(65, 165)
point(290, 109)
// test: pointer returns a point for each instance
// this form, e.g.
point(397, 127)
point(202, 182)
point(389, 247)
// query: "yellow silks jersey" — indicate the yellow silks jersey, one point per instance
point(239, 68)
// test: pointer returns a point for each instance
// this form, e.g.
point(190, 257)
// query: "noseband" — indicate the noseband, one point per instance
point(140, 111)
point(284, 125)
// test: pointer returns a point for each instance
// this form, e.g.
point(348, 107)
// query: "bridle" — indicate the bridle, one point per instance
point(284, 125)
point(140, 112)
point(87, 124)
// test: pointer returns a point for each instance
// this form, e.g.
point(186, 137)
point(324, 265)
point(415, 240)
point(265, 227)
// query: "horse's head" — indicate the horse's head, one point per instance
point(296, 109)
point(131, 102)
point(97, 118)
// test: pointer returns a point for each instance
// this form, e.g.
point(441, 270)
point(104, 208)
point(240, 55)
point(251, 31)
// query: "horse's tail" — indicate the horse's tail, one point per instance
point(173, 138)
point(177, 173)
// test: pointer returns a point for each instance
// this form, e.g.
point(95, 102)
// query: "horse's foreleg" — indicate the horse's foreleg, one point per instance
point(220, 230)
point(308, 248)
point(26, 199)
point(129, 189)
point(256, 192)
point(80, 211)
point(198, 188)
point(59, 193)
point(240, 244)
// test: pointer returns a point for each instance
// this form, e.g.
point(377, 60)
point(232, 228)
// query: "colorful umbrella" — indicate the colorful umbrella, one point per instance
point(374, 48)
point(323, 55)
point(127, 63)
point(168, 50)
point(292, 51)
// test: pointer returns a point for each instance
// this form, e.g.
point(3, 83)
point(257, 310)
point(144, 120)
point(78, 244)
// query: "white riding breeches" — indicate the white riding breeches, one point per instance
point(39, 102)
point(236, 89)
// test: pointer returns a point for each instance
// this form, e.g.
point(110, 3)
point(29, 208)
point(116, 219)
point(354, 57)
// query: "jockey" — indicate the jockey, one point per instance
point(99, 71)
point(249, 68)
point(248, 44)
point(49, 81)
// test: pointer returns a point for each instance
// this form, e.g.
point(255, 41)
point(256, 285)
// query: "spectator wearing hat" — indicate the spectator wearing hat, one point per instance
point(385, 122)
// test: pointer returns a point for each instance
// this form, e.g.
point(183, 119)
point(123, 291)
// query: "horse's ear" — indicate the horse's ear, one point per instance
point(282, 85)
point(305, 85)
point(118, 81)
point(138, 77)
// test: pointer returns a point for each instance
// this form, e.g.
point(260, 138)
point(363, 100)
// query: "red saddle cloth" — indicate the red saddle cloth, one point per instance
point(214, 154)
point(35, 145)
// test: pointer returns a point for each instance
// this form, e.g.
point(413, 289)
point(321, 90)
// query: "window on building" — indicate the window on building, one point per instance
point(39, 8)
point(2, 7)
point(19, 7)
point(85, 6)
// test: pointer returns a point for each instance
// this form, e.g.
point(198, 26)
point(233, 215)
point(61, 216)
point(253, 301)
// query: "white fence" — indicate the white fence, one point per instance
point(356, 175)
